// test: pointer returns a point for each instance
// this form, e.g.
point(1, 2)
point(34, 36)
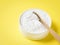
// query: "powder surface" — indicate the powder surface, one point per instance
point(31, 24)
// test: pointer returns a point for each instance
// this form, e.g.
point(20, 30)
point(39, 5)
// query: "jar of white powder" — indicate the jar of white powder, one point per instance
point(31, 27)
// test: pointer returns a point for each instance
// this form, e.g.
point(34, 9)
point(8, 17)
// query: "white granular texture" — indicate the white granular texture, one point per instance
point(31, 25)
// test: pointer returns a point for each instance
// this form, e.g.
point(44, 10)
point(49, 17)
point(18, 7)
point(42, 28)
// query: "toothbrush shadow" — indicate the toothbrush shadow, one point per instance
point(49, 38)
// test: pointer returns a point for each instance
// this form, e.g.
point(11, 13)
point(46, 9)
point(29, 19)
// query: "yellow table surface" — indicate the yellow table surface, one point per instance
point(10, 10)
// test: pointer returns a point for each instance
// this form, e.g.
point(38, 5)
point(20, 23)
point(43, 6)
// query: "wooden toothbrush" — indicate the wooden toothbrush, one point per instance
point(53, 33)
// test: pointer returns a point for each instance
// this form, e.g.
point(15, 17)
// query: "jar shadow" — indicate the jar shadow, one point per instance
point(49, 38)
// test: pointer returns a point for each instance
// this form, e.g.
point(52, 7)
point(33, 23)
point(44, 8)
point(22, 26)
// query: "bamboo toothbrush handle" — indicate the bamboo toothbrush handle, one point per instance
point(53, 33)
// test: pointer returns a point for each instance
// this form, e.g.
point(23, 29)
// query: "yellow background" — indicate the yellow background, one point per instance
point(10, 11)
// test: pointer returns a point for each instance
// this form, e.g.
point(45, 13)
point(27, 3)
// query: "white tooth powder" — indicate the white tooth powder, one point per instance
point(32, 27)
